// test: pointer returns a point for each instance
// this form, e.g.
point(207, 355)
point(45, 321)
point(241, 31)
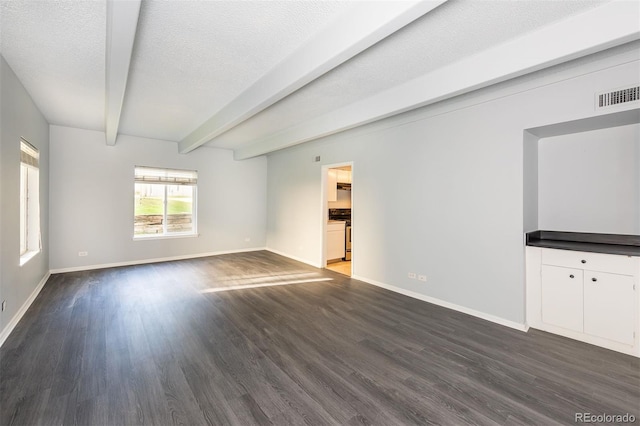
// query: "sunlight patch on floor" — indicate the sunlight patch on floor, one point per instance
point(273, 283)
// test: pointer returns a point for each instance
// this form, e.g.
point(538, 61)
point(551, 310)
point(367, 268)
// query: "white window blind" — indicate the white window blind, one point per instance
point(28, 154)
point(165, 176)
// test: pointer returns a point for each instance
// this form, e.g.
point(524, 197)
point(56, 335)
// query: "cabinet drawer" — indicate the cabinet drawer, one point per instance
point(624, 265)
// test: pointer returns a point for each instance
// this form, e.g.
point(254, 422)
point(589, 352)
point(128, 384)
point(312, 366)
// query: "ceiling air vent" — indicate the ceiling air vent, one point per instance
point(617, 97)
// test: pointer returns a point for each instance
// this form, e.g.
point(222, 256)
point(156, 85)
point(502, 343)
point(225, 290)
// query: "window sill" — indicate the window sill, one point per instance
point(163, 237)
point(28, 256)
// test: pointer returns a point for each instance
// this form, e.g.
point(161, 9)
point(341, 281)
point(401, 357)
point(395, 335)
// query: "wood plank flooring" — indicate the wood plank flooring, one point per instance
point(342, 267)
point(161, 344)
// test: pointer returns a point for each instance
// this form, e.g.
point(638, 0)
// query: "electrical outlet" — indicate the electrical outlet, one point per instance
point(83, 253)
point(4, 305)
point(412, 275)
point(422, 277)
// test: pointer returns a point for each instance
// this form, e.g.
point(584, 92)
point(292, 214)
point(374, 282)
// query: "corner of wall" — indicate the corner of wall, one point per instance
point(530, 181)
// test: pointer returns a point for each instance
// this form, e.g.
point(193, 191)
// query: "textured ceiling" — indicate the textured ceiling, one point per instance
point(191, 59)
point(453, 31)
point(57, 49)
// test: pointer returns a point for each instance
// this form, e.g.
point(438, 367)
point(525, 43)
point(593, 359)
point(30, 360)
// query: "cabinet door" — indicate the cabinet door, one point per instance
point(562, 297)
point(609, 306)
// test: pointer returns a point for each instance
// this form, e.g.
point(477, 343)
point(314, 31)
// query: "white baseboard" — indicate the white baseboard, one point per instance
point(444, 304)
point(156, 260)
point(23, 309)
point(298, 259)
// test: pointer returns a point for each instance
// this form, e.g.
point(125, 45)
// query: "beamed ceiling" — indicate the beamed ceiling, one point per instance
point(258, 76)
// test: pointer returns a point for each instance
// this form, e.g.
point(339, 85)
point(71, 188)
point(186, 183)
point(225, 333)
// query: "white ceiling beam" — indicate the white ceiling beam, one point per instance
point(122, 23)
point(607, 26)
point(361, 27)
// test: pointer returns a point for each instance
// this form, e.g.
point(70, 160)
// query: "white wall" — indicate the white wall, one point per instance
point(590, 181)
point(440, 191)
point(92, 199)
point(19, 117)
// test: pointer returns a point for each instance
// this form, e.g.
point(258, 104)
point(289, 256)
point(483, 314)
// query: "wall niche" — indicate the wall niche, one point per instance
point(584, 175)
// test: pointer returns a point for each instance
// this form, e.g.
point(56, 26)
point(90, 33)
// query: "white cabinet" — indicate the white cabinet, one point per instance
point(586, 296)
point(332, 185)
point(335, 240)
point(595, 303)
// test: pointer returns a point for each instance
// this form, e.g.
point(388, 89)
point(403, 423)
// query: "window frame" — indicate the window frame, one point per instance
point(24, 209)
point(166, 183)
point(29, 205)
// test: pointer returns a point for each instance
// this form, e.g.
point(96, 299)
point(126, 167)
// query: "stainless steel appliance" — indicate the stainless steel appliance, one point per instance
point(347, 255)
point(344, 215)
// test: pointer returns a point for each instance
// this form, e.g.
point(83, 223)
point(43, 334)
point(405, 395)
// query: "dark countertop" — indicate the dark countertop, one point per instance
point(626, 245)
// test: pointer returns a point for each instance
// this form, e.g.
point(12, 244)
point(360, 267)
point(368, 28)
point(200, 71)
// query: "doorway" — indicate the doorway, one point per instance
point(337, 209)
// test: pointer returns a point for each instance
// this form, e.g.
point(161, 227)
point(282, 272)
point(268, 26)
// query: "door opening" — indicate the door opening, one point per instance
point(338, 211)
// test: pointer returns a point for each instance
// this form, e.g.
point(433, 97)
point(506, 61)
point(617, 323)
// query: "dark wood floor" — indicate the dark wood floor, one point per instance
point(151, 344)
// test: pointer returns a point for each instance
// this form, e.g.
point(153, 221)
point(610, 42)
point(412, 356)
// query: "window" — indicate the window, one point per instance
point(165, 202)
point(29, 201)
